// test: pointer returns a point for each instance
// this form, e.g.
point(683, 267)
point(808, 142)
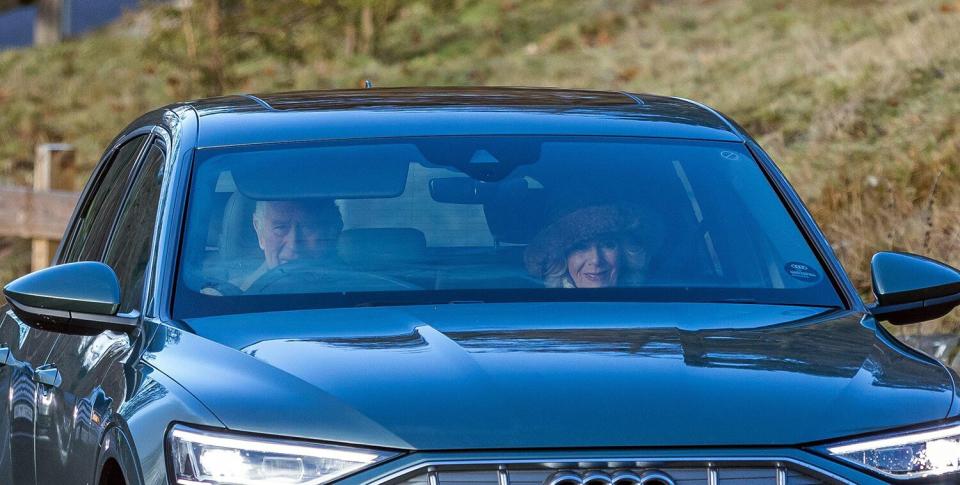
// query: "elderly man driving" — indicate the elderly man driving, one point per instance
point(288, 231)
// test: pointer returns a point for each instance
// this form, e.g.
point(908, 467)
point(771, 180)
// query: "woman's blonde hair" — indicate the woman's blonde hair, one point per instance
point(546, 256)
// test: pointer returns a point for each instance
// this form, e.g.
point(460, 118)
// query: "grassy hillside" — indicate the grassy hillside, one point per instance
point(857, 100)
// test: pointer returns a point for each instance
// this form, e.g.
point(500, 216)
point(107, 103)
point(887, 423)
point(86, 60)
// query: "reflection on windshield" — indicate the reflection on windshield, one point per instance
point(467, 215)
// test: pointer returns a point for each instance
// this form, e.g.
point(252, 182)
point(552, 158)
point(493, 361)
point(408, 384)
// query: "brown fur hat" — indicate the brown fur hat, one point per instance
point(549, 248)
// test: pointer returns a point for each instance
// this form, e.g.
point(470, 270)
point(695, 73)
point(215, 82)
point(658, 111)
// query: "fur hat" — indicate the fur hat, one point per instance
point(552, 244)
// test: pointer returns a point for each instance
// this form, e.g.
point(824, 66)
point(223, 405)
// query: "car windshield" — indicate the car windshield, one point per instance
point(430, 220)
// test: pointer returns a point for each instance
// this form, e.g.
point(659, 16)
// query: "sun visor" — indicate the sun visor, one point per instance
point(330, 172)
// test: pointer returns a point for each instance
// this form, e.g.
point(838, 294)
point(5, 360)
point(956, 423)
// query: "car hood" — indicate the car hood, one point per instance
point(478, 376)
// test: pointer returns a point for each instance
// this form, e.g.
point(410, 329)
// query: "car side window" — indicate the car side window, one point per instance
point(90, 236)
point(129, 248)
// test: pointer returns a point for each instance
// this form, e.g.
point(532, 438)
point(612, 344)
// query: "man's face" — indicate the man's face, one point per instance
point(288, 231)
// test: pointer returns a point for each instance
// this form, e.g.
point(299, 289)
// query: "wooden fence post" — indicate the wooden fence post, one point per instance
point(48, 26)
point(54, 169)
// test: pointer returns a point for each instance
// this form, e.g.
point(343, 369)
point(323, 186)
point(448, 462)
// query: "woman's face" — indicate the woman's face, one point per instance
point(594, 263)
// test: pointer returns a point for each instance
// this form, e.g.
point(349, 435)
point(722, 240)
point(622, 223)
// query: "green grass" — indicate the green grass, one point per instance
point(857, 100)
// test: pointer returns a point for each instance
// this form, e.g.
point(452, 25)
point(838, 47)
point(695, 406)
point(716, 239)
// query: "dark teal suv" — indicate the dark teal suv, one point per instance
point(461, 286)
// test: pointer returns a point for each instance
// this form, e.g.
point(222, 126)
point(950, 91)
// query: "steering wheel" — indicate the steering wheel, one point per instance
point(324, 276)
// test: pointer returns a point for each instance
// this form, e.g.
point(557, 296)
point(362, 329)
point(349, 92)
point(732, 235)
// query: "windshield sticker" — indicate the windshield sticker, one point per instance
point(730, 155)
point(801, 272)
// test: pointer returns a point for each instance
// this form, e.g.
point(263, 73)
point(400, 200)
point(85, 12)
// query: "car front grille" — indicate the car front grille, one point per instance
point(646, 473)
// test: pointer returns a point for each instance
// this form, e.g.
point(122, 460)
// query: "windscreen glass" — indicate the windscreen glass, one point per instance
point(487, 219)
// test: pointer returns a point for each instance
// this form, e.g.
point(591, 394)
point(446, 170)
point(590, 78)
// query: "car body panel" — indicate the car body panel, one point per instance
point(72, 418)
point(239, 389)
point(239, 128)
point(29, 348)
point(491, 376)
point(155, 402)
point(394, 113)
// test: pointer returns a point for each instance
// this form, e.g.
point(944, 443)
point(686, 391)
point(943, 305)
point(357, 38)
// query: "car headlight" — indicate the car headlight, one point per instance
point(920, 453)
point(207, 457)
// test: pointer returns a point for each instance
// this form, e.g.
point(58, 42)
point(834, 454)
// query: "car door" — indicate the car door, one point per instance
point(92, 368)
point(28, 348)
point(24, 350)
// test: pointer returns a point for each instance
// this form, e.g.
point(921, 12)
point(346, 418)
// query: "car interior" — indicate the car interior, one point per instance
point(434, 227)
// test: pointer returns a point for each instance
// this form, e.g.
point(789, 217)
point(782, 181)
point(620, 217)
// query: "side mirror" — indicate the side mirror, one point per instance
point(75, 298)
point(911, 288)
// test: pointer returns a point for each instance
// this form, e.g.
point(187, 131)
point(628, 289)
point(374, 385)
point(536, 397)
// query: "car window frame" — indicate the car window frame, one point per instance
point(134, 173)
point(177, 128)
point(155, 135)
point(154, 303)
point(93, 186)
point(152, 141)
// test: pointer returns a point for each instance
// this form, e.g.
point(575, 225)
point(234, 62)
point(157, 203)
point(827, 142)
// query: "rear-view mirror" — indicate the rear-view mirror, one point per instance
point(466, 190)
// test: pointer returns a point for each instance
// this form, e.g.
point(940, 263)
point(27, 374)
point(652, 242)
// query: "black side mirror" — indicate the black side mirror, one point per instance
point(76, 298)
point(911, 288)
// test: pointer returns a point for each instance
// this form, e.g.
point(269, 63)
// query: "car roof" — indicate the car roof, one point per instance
point(400, 112)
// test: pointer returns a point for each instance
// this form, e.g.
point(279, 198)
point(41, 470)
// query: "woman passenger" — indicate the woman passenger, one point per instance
point(590, 247)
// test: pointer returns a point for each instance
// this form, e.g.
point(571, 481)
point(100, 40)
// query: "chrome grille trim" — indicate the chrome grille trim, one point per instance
point(655, 477)
point(628, 476)
point(597, 477)
point(710, 464)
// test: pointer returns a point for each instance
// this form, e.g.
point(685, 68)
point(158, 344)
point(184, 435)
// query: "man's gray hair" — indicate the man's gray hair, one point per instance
point(324, 209)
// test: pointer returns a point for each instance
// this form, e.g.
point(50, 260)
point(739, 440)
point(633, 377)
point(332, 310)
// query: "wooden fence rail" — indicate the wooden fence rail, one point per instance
point(41, 213)
point(34, 215)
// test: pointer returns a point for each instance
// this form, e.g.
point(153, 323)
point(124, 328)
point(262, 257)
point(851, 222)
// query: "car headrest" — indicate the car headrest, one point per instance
point(238, 241)
point(381, 246)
